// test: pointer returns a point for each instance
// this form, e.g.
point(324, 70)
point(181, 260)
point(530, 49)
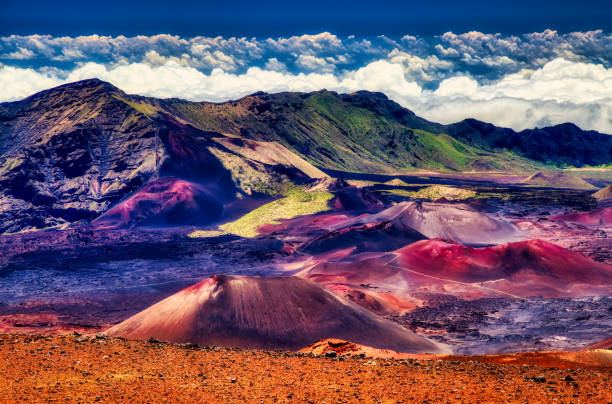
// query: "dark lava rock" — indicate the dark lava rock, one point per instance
point(331, 354)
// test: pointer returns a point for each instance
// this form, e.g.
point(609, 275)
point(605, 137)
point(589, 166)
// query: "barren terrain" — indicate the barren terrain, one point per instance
point(89, 369)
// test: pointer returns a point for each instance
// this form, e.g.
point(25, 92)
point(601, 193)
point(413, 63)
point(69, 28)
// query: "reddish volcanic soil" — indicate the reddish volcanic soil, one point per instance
point(82, 369)
point(269, 313)
point(361, 238)
point(465, 264)
point(597, 217)
point(521, 269)
point(605, 344)
point(595, 358)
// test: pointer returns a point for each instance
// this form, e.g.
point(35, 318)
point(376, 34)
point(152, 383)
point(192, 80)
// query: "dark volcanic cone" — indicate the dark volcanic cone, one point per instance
point(364, 238)
point(267, 313)
point(167, 201)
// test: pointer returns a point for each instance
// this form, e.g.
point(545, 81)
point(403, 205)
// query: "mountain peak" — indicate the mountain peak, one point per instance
point(78, 89)
point(567, 126)
point(93, 86)
point(90, 83)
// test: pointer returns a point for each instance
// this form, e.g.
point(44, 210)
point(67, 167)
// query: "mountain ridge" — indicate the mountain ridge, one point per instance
point(562, 144)
point(72, 152)
point(471, 132)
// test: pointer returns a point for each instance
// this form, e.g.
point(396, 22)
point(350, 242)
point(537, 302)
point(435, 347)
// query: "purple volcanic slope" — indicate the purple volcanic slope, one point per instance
point(268, 313)
point(166, 200)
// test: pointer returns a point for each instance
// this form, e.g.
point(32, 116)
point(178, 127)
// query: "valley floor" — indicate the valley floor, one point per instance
point(86, 279)
point(87, 369)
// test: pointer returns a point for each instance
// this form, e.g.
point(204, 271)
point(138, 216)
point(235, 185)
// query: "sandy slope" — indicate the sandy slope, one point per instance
point(557, 180)
point(604, 193)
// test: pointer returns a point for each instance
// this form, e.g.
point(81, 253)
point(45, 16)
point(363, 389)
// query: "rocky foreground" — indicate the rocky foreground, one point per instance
point(86, 369)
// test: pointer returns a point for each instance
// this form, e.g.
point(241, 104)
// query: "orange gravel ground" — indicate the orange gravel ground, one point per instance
point(81, 369)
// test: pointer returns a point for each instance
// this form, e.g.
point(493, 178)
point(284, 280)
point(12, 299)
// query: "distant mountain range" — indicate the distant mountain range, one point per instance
point(72, 152)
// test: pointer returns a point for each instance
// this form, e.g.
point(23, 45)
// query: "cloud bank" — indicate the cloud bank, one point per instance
point(515, 81)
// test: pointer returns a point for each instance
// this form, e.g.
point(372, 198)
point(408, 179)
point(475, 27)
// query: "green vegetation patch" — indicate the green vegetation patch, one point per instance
point(206, 233)
point(601, 172)
point(295, 203)
point(349, 134)
point(145, 109)
point(436, 192)
point(443, 152)
point(10, 164)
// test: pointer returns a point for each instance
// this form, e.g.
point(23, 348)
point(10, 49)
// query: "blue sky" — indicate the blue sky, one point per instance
point(518, 64)
point(283, 18)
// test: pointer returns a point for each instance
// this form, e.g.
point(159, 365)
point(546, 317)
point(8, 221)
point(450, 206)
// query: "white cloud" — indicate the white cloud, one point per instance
point(498, 61)
point(313, 63)
point(19, 54)
point(486, 57)
point(69, 54)
point(517, 113)
point(16, 83)
point(173, 80)
point(275, 65)
point(425, 69)
point(154, 58)
point(459, 85)
point(560, 91)
point(381, 76)
point(559, 80)
point(304, 43)
point(448, 52)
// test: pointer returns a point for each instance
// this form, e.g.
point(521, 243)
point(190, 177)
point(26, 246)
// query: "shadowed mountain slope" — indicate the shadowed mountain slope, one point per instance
point(165, 201)
point(72, 152)
point(564, 144)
